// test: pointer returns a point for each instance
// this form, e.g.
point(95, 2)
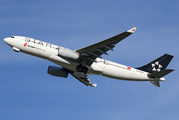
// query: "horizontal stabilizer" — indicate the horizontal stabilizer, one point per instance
point(156, 83)
point(160, 74)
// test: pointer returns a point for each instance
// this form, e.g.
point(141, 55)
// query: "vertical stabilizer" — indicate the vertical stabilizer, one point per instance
point(157, 65)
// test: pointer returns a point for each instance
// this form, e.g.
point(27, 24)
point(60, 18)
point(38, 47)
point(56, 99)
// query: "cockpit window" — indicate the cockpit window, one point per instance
point(12, 37)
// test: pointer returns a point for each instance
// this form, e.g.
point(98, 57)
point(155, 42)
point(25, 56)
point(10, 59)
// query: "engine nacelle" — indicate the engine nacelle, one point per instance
point(64, 52)
point(57, 71)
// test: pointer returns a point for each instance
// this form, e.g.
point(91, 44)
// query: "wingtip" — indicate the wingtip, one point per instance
point(132, 30)
point(94, 85)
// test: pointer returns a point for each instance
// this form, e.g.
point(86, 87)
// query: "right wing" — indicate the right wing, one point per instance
point(90, 53)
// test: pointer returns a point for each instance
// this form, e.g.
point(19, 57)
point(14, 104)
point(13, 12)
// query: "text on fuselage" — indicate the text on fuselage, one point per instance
point(38, 42)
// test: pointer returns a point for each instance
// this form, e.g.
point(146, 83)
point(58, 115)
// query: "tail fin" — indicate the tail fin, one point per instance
point(157, 68)
point(157, 65)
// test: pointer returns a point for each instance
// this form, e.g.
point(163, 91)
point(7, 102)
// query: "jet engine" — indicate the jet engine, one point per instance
point(67, 53)
point(57, 71)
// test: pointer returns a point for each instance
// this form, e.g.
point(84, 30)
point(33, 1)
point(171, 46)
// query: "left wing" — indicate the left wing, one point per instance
point(83, 78)
point(90, 53)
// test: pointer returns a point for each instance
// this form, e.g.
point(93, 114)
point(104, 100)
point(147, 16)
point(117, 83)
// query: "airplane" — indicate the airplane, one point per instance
point(81, 62)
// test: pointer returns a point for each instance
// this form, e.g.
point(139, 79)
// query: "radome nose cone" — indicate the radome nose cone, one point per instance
point(5, 40)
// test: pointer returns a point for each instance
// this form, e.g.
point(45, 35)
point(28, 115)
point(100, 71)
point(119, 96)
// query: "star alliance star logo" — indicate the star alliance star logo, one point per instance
point(156, 66)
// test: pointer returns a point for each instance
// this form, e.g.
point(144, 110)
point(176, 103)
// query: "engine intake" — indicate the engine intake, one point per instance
point(57, 71)
point(64, 52)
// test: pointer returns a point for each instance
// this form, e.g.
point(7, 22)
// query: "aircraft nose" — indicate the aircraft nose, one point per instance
point(7, 40)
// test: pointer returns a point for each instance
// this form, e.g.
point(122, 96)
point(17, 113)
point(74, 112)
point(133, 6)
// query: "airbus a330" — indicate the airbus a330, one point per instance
point(88, 60)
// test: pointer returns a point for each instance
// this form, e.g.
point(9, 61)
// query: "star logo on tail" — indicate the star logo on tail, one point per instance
point(156, 66)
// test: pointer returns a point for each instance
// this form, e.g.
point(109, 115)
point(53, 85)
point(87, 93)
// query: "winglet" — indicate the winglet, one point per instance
point(94, 85)
point(132, 30)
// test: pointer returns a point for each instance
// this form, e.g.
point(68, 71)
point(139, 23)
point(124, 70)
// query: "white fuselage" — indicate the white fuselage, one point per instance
point(100, 67)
